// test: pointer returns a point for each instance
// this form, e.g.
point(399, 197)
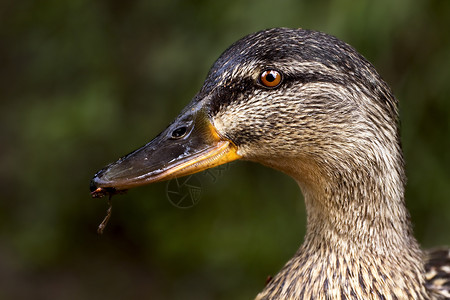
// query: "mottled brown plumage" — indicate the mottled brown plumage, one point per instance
point(332, 125)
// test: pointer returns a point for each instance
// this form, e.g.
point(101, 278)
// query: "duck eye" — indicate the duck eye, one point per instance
point(270, 78)
point(179, 132)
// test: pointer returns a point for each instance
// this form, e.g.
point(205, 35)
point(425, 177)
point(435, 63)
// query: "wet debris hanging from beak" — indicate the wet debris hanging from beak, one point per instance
point(103, 224)
point(99, 193)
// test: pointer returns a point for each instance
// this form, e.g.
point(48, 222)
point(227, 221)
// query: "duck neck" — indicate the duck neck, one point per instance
point(354, 204)
point(359, 241)
point(359, 211)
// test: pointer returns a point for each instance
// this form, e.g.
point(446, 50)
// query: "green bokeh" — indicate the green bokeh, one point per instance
point(84, 82)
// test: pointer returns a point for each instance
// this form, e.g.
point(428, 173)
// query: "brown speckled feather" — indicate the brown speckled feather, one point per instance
point(437, 269)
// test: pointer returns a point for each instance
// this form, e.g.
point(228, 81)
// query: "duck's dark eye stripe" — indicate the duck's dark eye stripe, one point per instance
point(315, 77)
point(179, 132)
point(230, 93)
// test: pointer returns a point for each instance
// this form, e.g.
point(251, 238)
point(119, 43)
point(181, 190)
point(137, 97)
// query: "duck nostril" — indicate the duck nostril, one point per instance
point(179, 132)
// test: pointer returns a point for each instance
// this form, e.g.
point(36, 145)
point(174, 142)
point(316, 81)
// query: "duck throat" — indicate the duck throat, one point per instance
point(358, 208)
point(359, 242)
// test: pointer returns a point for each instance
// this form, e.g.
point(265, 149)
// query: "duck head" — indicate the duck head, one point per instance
point(299, 101)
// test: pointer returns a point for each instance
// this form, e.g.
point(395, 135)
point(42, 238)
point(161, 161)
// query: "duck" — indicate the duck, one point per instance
point(307, 104)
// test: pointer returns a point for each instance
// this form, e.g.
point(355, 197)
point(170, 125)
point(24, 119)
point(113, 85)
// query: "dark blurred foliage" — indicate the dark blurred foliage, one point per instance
point(84, 82)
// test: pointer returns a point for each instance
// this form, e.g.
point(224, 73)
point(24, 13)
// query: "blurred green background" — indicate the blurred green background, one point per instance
point(84, 82)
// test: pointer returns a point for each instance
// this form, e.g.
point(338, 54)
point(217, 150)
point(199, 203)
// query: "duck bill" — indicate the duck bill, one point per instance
point(195, 147)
